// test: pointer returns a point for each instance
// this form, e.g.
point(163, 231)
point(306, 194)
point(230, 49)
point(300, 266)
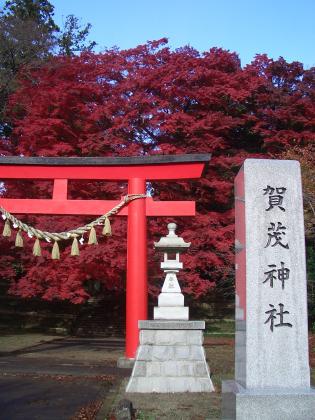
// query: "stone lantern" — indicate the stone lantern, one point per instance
point(171, 300)
point(170, 356)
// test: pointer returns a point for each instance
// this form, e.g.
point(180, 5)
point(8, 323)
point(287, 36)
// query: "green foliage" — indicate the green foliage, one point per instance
point(73, 39)
point(39, 11)
point(29, 36)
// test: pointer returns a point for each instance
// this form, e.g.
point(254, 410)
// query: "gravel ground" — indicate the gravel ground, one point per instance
point(61, 379)
point(48, 398)
point(77, 378)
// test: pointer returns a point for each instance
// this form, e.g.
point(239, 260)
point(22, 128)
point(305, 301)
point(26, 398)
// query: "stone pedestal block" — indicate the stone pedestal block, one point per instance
point(171, 312)
point(170, 358)
point(171, 299)
point(265, 404)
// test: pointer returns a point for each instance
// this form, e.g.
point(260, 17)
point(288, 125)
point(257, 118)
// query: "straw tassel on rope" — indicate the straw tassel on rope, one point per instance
point(6, 229)
point(75, 247)
point(107, 229)
point(37, 252)
point(55, 254)
point(92, 237)
point(19, 239)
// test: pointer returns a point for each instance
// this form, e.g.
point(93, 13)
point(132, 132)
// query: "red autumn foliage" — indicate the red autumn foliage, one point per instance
point(151, 100)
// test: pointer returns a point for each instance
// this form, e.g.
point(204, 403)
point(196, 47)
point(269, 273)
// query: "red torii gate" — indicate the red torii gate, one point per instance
point(137, 171)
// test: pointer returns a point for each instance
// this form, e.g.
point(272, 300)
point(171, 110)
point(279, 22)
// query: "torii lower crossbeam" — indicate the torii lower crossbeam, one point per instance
point(137, 171)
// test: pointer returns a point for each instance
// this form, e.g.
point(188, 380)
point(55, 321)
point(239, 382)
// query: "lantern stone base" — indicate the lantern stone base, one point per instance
point(284, 404)
point(125, 362)
point(171, 312)
point(170, 358)
point(171, 299)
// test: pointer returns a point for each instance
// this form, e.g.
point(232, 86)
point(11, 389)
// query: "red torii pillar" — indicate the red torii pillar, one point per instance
point(137, 171)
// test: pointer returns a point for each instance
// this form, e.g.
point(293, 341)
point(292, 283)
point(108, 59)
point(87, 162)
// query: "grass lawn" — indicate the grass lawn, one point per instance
point(18, 341)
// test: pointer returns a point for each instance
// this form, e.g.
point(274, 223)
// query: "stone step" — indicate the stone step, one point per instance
point(170, 352)
point(171, 368)
point(171, 337)
point(170, 385)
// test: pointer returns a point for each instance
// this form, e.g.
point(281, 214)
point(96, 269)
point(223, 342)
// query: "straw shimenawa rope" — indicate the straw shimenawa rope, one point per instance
point(59, 236)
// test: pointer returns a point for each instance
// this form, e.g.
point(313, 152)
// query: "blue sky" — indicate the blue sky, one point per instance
point(276, 27)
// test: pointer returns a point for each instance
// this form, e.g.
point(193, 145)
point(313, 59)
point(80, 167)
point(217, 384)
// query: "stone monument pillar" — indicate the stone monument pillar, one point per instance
point(272, 375)
point(170, 357)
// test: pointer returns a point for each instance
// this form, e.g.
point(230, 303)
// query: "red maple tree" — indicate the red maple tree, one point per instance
point(151, 100)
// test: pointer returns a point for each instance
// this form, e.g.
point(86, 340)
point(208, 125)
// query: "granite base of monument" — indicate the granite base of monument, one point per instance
point(281, 404)
point(170, 358)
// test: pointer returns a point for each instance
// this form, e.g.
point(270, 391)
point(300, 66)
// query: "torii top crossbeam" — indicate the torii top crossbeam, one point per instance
point(135, 170)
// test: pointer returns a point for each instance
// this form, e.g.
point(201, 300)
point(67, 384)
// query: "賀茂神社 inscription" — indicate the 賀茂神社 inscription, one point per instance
point(272, 375)
point(276, 233)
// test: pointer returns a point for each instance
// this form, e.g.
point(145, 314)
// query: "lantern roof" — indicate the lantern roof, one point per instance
point(171, 242)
